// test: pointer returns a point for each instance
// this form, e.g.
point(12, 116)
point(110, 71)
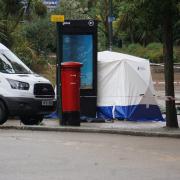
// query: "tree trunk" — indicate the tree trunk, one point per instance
point(171, 117)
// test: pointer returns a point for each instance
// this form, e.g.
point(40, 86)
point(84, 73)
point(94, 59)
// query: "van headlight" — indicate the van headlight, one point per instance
point(18, 84)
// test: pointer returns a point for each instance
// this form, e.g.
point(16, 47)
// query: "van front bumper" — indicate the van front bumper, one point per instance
point(30, 106)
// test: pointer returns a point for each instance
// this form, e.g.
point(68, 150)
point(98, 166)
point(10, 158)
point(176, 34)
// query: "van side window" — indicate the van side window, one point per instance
point(5, 66)
point(11, 65)
point(18, 68)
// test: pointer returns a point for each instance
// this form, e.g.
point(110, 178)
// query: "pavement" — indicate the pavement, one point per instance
point(152, 129)
point(42, 155)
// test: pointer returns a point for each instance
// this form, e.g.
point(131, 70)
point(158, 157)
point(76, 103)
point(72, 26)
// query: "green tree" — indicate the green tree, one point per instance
point(163, 13)
point(41, 34)
point(72, 9)
point(99, 10)
point(40, 8)
point(167, 26)
point(146, 21)
point(11, 13)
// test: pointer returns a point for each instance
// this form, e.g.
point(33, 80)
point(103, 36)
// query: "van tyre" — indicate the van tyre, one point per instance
point(31, 120)
point(3, 113)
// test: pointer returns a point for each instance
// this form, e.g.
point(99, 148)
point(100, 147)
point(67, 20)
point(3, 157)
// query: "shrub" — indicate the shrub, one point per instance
point(154, 45)
point(41, 34)
point(25, 51)
point(154, 52)
point(136, 49)
point(22, 48)
point(177, 54)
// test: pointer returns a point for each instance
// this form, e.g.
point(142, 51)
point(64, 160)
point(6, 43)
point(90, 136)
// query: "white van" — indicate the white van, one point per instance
point(22, 92)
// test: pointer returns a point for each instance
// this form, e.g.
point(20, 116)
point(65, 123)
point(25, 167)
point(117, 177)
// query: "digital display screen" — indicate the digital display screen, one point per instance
point(79, 48)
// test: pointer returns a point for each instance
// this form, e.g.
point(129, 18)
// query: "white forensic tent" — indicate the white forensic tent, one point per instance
point(125, 88)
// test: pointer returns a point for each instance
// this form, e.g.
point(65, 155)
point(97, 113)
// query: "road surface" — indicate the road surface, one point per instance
point(30, 155)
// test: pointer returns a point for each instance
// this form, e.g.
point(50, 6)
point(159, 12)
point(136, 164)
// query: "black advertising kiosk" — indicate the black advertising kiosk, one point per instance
point(79, 44)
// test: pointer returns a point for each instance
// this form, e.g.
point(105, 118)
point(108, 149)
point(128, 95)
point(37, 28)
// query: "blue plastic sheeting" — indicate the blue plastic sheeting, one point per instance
point(140, 112)
point(105, 112)
point(53, 115)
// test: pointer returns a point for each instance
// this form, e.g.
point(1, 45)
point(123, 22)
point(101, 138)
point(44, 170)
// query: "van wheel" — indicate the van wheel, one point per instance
point(3, 113)
point(31, 120)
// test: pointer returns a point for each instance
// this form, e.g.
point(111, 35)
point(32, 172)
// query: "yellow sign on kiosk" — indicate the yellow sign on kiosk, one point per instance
point(57, 18)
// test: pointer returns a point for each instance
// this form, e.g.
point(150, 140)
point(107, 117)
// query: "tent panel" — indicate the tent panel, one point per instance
point(118, 84)
point(148, 98)
point(109, 56)
point(107, 78)
point(125, 83)
point(105, 112)
point(142, 69)
point(133, 86)
point(110, 83)
point(140, 112)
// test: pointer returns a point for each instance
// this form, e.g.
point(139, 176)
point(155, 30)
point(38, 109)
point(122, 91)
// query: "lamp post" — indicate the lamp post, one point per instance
point(59, 19)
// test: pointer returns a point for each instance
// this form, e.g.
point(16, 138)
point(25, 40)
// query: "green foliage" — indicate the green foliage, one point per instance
point(136, 49)
point(11, 13)
point(154, 52)
point(137, 25)
point(40, 9)
point(153, 46)
point(177, 54)
point(24, 52)
point(23, 49)
point(41, 34)
point(177, 33)
point(72, 9)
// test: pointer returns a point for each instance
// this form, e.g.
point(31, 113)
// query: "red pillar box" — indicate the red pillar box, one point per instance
point(70, 81)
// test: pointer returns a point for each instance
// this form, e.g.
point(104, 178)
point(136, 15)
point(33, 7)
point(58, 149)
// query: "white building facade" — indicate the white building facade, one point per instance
point(51, 4)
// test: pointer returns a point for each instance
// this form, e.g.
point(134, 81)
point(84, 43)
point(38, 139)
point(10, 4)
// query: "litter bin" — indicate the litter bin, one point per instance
point(70, 83)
